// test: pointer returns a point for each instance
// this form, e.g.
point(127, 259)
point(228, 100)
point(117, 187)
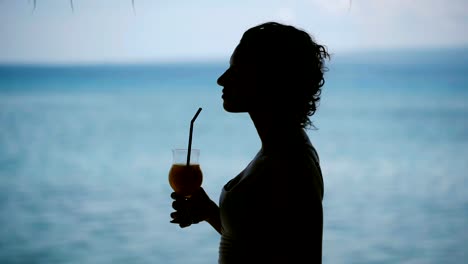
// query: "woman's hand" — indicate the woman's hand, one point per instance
point(197, 208)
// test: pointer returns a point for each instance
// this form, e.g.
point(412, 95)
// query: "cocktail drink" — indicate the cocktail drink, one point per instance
point(185, 179)
point(185, 176)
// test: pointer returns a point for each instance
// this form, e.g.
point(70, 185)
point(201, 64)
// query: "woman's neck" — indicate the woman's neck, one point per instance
point(277, 132)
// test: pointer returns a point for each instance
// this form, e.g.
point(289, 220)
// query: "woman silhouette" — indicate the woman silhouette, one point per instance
point(272, 211)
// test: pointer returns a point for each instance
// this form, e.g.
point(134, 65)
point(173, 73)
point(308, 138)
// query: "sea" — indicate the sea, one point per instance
point(85, 151)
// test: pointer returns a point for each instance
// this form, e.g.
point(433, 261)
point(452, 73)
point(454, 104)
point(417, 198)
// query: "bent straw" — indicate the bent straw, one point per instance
point(190, 135)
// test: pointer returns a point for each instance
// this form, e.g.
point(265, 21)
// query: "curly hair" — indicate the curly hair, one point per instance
point(291, 65)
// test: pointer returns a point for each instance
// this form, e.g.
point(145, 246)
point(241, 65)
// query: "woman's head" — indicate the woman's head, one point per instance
point(277, 68)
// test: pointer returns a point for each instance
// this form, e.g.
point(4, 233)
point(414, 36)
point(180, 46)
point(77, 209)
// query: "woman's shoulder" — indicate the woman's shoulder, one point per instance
point(302, 155)
point(295, 169)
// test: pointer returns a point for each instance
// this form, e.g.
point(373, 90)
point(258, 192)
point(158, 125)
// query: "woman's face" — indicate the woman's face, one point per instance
point(240, 84)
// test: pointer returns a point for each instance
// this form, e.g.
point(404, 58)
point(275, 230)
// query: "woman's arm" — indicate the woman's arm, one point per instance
point(214, 218)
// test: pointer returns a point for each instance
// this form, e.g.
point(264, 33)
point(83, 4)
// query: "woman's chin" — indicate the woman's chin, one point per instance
point(231, 108)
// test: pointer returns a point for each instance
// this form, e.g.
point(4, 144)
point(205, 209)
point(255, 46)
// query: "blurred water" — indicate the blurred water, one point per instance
point(85, 152)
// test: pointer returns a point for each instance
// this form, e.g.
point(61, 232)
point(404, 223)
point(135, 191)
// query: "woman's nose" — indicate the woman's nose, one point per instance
point(222, 78)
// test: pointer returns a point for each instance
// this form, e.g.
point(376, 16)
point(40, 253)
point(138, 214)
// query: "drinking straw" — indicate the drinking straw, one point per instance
point(190, 135)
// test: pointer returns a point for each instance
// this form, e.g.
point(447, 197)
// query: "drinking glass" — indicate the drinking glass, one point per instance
point(185, 178)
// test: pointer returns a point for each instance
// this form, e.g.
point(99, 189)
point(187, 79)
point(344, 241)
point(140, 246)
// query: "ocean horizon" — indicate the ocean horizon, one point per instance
point(85, 151)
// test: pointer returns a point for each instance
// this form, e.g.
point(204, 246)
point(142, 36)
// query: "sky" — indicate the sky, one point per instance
point(186, 30)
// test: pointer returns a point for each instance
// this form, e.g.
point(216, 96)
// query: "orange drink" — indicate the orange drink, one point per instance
point(185, 179)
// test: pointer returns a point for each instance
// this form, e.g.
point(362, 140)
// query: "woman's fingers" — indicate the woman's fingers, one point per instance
point(180, 205)
point(182, 219)
point(181, 224)
point(184, 214)
point(185, 224)
point(176, 196)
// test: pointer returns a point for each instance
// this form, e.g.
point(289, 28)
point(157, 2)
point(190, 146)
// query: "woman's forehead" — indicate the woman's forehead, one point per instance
point(240, 56)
